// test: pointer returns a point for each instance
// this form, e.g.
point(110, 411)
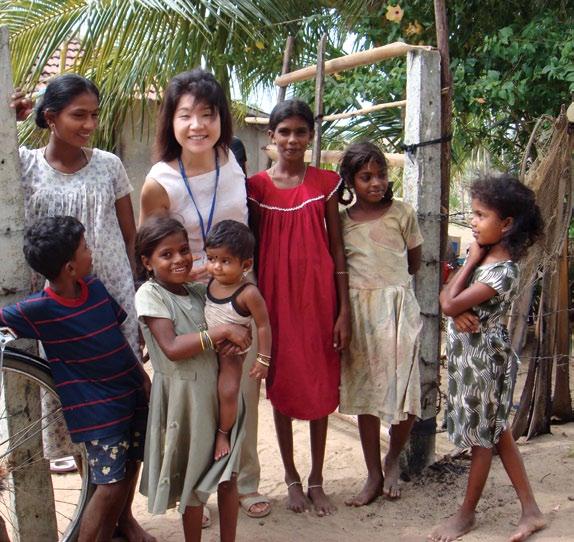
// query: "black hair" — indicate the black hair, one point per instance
point(51, 242)
point(357, 156)
point(150, 235)
point(234, 236)
point(60, 92)
point(204, 88)
point(508, 197)
point(291, 108)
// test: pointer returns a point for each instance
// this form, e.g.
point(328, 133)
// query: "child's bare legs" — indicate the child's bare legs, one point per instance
point(228, 504)
point(296, 500)
point(322, 504)
point(103, 511)
point(191, 519)
point(532, 519)
point(127, 523)
point(228, 382)
point(463, 520)
point(370, 432)
point(399, 436)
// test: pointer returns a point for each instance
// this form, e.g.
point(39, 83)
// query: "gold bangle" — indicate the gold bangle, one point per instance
point(262, 361)
point(341, 272)
point(264, 356)
point(201, 340)
point(208, 339)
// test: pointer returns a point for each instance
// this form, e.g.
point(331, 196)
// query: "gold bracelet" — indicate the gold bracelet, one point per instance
point(341, 272)
point(262, 361)
point(208, 339)
point(264, 356)
point(201, 340)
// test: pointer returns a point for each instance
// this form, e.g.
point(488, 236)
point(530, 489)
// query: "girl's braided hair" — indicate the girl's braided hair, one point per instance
point(510, 198)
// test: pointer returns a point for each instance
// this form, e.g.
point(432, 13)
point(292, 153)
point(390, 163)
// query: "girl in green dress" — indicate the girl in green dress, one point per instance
point(481, 362)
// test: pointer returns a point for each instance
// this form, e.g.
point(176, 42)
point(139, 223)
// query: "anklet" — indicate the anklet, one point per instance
point(295, 483)
point(313, 486)
point(222, 431)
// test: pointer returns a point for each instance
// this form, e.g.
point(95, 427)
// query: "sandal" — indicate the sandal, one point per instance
point(247, 501)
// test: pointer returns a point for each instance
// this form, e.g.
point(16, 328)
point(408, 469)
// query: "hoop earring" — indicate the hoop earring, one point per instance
point(346, 200)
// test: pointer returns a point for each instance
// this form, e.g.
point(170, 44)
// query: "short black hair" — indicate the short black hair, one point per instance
point(234, 236)
point(508, 197)
point(51, 242)
point(60, 92)
point(205, 88)
point(150, 235)
point(291, 108)
point(355, 157)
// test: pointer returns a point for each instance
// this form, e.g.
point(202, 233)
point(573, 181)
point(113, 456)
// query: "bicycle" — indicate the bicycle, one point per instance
point(22, 462)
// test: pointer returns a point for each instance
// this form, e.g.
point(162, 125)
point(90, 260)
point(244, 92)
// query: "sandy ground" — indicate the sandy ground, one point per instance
point(425, 501)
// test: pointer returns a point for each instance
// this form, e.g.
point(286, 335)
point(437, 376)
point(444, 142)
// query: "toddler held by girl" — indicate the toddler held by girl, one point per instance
point(380, 376)
point(481, 363)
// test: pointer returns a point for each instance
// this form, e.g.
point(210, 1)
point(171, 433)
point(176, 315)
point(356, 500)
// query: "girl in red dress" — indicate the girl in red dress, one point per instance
point(303, 279)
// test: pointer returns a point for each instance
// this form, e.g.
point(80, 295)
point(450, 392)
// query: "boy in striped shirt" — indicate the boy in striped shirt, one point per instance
point(101, 383)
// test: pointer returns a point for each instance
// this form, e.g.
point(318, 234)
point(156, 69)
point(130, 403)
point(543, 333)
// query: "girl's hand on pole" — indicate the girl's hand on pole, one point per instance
point(23, 106)
point(466, 322)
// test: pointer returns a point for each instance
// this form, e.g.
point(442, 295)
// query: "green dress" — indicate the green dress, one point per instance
point(183, 410)
point(482, 366)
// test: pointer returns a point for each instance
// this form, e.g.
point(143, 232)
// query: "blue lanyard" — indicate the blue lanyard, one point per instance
point(204, 232)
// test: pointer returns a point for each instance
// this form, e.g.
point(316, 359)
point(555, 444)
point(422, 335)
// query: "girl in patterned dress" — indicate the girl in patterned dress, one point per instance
point(481, 363)
point(303, 279)
point(380, 377)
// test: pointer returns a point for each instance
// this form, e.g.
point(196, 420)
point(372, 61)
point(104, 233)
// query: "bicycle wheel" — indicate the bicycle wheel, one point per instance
point(28, 486)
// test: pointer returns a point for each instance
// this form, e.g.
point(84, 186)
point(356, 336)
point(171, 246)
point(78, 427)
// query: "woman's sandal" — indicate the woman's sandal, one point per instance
point(247, 501)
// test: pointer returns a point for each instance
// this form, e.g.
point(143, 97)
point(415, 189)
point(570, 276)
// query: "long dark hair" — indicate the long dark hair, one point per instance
point(150, 235)
point(357, 156)
point(203, 86)
point(288, 109)
point(60, 92)
point(508, 197)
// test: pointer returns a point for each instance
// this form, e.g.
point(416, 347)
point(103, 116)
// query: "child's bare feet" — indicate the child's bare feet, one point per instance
point(222, 447)
point(296, 500)
point(529, 524)
point(392, 472)
point(372, 489)
point(321, 503)
point(453, 528)
point(132, 531)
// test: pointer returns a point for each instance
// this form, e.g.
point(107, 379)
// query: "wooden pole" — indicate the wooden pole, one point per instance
point(319, 86)
point(353, 60)
point(334, 157)
point(422, 189)
point(287, 53)
point(364, 111)
point(30, 491)
point(446, 118)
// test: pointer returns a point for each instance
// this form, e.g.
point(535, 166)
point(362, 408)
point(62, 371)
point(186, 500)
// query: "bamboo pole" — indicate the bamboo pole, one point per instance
point(353, 60)
point(338, 116)
point(287, 53)
point(364, 111)
point(319, 85)
point(334, 157)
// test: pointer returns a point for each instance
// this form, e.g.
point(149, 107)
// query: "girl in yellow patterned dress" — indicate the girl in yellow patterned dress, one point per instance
point(380, 376)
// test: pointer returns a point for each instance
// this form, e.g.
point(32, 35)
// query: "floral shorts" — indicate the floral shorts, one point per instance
point(108, 456)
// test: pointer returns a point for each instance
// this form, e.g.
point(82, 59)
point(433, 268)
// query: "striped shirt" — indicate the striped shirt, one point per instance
point(95, 371)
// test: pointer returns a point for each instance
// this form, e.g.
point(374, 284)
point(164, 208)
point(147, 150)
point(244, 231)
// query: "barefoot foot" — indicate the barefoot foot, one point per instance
point(372, 489)
point(321, 503)
point(296, 500)
point(392, 472)
point(221, 444)
point(132, 531)
point(453, 528)
point(529, 524)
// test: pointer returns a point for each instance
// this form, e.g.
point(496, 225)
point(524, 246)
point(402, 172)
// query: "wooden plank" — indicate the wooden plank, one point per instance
point(422, 189)
point(256, 120)
point(31, 493)
point(319, 85)
point(287, 53)
point(334, 157)
point(364, 111)
point(352, 60)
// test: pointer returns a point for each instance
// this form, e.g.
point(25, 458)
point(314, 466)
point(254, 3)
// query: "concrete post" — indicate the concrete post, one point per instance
point(422, 189)
point(32, 495)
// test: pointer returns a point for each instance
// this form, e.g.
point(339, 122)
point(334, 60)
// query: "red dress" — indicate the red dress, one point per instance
point(296, 278)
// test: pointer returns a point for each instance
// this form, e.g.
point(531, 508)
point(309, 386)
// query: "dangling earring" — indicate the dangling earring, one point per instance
point(346, 200)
